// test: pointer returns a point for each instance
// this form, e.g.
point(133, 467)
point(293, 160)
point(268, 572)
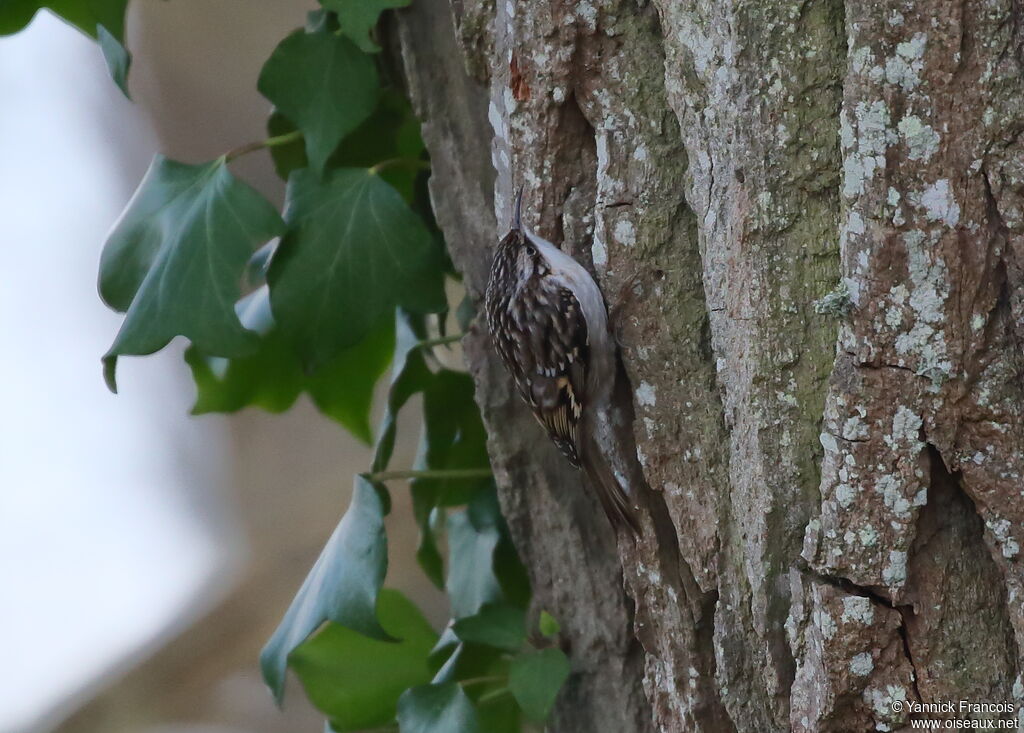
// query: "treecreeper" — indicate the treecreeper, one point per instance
point(548, 321)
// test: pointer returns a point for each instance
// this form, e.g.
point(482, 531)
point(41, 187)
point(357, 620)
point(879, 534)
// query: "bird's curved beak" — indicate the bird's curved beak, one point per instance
point(517, 212)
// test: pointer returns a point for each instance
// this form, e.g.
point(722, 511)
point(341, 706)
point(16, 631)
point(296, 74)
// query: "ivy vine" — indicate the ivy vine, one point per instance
point(321, 299)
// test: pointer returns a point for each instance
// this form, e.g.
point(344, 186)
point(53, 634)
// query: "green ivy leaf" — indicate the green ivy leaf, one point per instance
point(499, 715)
point(496, 624)
point(175, 258)
point(342, 388)
point(342, 586)
point(447, 646)
point(454, 438)
point(354, 251)
point(290, 156)
point(356, 681)
point(535, 679)
point(549, 625)
point(473, 535)
point(392, 131)
point(272, 378)
point(409, 375)
point(324, 84)
point(428, 554)
point(358, 18)
point(436, 709)
point(320, 21)
point(117, 57)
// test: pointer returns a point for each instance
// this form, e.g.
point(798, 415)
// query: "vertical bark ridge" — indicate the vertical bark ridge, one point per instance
point(763, 182)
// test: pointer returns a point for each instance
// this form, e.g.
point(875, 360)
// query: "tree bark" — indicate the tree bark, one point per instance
point(807, 218)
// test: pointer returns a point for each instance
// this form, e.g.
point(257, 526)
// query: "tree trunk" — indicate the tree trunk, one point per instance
point(808, 221)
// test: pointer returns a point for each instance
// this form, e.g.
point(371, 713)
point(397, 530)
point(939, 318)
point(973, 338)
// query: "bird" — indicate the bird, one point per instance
point(549, 324)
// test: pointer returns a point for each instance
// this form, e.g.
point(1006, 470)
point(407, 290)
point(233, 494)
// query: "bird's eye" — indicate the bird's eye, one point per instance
point(530, 250)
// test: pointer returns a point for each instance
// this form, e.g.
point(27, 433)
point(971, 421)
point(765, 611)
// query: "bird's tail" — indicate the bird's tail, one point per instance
point(610, 491)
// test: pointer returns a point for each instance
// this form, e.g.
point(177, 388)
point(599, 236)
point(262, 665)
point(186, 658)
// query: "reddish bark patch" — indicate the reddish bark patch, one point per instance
point(520, 89)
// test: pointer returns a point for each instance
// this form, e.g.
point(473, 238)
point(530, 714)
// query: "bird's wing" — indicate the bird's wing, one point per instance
point(553, 355)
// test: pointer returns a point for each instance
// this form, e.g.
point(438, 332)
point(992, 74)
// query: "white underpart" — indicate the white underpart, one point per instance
point(576, 278)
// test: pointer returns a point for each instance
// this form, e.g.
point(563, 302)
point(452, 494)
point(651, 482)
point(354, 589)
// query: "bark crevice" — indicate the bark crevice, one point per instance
point(953, 584)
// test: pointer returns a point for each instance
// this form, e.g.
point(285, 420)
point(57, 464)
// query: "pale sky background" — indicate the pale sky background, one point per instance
point(100, 546)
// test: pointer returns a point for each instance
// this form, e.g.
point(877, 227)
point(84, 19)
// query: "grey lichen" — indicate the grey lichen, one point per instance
point(837, 303)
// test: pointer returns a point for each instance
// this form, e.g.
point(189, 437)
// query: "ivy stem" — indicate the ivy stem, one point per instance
point(492, 695)
point(453, 339)
point(441, 473)
point(270, 142)
point(480, 680)
point(393, 162)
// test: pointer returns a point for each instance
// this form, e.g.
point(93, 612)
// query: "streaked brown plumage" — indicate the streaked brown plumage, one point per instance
point(548, 321)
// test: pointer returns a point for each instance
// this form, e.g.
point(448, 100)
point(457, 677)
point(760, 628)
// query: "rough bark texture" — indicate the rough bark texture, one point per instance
point(807, 217)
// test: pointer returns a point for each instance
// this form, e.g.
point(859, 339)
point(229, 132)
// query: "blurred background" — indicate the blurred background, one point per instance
point(145, 555)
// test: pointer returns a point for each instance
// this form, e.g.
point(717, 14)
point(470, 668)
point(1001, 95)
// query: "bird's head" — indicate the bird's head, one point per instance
point(522, 253)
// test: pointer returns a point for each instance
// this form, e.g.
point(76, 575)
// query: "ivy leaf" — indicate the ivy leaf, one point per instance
point(499, 715)
point(496, 711)
point(320, 21)
point(497, 625)
point(441, 708)
point(290, 156)
point(358, 18)
point(354, 251)
point(342, 586)
point(324, 84)
point(448, 644)
point(460, 660)
point(549, 625)
point(391, 132)
point(535, 679)
point(409, 375)
point(256, 268)
point(428, 554)
point(269, 378)
point(272, 378)
point(473, 535)
point(356, 681)
point(117, 57)
point(342, 388)
point(174, 260)
point(454, 438)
